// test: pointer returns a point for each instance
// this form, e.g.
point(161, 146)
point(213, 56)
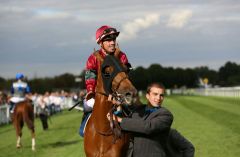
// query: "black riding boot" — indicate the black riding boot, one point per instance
point(12, 106)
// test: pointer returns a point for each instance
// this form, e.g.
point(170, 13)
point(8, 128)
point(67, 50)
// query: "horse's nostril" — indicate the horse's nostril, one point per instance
point(128, 98)
point(128, 94)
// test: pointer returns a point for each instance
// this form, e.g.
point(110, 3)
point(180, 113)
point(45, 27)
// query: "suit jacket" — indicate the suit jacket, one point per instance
point(178, 145)
point(150, 131)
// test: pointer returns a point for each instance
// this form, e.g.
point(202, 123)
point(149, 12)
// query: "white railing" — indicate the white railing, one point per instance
point(220, 91)
point(4, 114)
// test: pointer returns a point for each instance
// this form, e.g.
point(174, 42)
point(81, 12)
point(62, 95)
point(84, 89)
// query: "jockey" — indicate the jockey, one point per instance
point(106, 39)
point(18, 90)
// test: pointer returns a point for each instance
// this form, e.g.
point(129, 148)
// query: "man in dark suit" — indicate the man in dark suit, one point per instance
point(149, 124)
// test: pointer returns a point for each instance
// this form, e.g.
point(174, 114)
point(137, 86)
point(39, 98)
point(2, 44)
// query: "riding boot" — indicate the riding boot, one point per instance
point(84, 116)
point(12, 106)
point(83, 123)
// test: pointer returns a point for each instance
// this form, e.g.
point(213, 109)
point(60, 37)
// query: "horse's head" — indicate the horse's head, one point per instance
point(116, 81)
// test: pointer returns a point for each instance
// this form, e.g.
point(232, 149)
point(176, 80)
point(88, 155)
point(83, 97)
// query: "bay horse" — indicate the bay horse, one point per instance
point(24, 113)
point(99, 138)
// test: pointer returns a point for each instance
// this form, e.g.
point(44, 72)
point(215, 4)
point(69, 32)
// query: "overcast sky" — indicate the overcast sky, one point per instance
point(51, 37)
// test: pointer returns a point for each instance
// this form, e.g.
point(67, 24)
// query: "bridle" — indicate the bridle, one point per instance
point(109, 89)
point(115, 94)
point(115, 128)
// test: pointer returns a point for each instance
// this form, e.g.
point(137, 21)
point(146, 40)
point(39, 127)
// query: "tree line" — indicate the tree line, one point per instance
point(227, 75)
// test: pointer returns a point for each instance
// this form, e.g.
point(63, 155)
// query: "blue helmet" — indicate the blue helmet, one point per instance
point(19, 76)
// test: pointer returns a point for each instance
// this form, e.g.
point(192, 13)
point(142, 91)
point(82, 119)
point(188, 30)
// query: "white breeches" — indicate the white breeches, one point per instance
point(88, 104)
point(16, 99)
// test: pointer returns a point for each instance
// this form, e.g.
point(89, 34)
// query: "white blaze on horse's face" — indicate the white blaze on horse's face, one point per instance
point(127, 99)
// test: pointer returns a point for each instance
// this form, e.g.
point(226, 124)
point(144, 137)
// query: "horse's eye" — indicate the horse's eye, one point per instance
point(107, 71)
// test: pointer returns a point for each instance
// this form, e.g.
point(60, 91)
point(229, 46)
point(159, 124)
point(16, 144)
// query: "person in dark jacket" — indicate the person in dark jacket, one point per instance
point(149, 124)
point(178, 145)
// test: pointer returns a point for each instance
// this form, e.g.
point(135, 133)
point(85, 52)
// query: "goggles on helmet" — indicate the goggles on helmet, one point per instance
point(109, 30)
point(109, 34)
point(109, 37)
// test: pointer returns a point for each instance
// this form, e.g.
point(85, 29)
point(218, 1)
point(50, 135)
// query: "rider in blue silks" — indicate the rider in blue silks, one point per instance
point(18, 90)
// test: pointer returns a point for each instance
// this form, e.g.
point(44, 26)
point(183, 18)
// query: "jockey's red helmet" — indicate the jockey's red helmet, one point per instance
point(106, 31)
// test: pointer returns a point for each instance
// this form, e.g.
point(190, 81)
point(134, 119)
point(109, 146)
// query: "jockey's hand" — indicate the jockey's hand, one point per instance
point(113, 100)
point(90, 95)
point(108, 116)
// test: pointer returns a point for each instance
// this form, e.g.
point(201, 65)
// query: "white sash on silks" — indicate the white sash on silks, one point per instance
point(17, 99)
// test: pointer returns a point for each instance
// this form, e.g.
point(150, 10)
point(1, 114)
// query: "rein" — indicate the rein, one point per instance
point(126, 77)
point(101, 93)
point(115, 127)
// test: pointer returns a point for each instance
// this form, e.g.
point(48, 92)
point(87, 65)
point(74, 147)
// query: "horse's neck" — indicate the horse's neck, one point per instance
point(99, 87)
point(100, 110)
point(102, 105)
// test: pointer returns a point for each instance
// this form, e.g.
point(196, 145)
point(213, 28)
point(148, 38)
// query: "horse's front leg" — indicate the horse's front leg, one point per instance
point(33, 140)
point(19, 135)
point(19, 145)
point(33, 144)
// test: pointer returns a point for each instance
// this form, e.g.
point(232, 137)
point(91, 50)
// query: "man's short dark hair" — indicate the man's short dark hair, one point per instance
point(155, 84)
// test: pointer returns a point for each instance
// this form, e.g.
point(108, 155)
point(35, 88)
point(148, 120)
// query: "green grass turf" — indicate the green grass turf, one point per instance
point(212, 124)
point(61, 140)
